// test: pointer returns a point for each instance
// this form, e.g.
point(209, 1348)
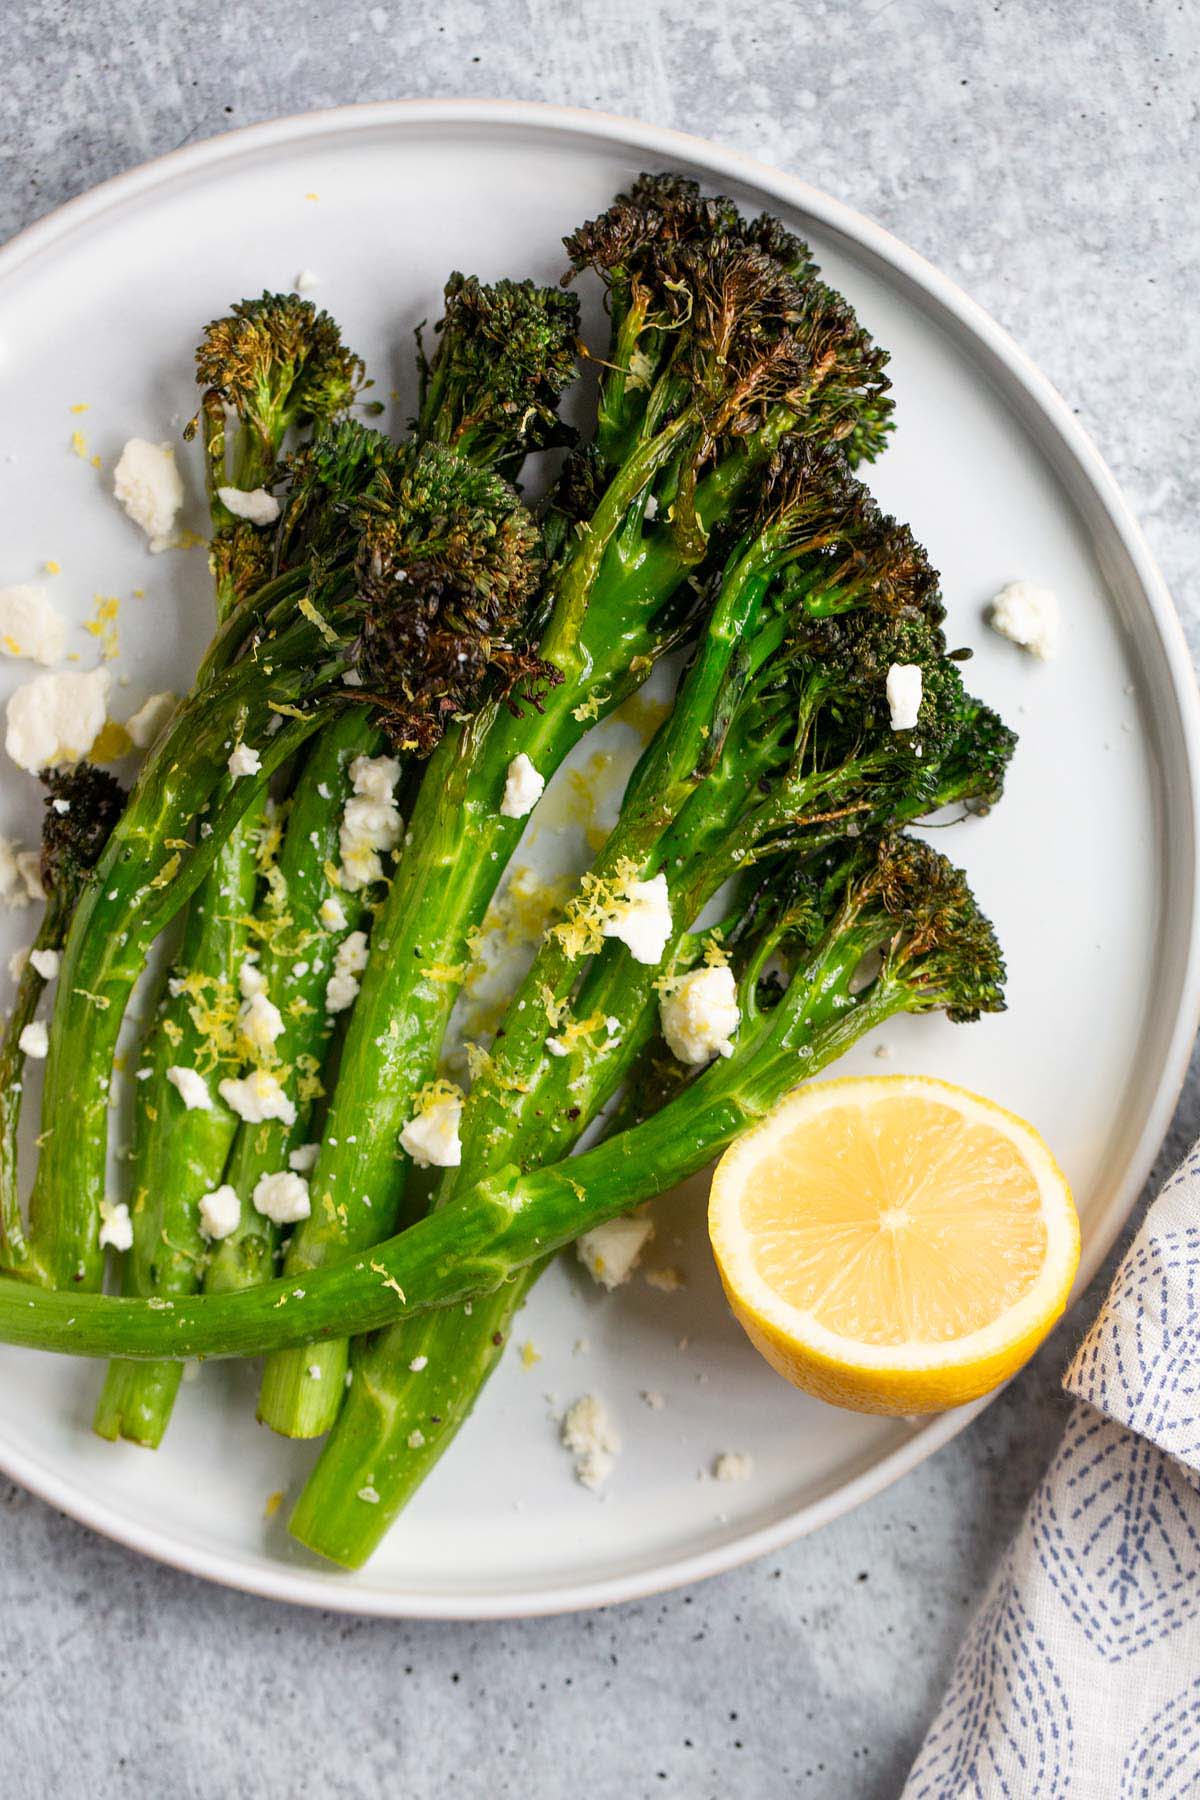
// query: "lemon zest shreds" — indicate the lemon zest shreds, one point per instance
point(167, 873)
point(580, 1034)
point(590, 708)
point(309, 1086)
point(555, 1009)
point(389, 1281)
point(482, 1066)
point(597, 903)
point(444, 972)
point(282, 706)
point(322, 624)
point(214, 1015)
point(268, 839)
point(433, 1093)
point(100, 1000)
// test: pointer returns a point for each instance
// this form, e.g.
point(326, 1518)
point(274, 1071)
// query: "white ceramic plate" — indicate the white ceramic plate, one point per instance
point(1089, 867)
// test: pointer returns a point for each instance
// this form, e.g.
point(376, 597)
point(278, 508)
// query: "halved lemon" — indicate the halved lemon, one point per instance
point(893, 1243)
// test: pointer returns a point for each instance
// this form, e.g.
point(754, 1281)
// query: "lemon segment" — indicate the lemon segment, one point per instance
point(893, 1243)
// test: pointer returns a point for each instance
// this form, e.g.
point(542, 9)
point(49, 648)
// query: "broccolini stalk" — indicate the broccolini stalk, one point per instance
point(273, 366)
point(721, 341)
point(558, 1057)
point(298, 944)
point(143, 878)
point(82, 806)
point(898, 902)
point(504, 354)
point(179, 1147)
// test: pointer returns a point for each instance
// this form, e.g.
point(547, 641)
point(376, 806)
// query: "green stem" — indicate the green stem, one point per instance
point(179, 1153)
point(295, 962)
point(14, 1249)
point(138, 886)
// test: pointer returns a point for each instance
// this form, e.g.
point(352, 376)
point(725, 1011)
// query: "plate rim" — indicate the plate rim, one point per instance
point(334, 1591)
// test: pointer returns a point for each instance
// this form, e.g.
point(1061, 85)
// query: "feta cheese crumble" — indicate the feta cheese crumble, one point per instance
point(251, 980)
point(220, 1212)
point(303, 1158)
point(257, 1097)
point(191, 1088)
point(418, 1363)
point(254, 504)
point(46, 962)
point(332, 914)
point(243, 761)
point(260, 1022)
point(611, 1252)
point(147, 722)
point(371, 823)
point(116, 1226)
point(589, 1433)
point(522, 788)
point(56, 718)
point(305, 281)
point(904, 695)
point(1027, 615)
point(733, 1465)
point(642, 920)
point(34, 1041)
point(350, 959)
point(282, 1198)
point(431, 1135)
point(31, 625)
point(148, 486)
point(700, 1015)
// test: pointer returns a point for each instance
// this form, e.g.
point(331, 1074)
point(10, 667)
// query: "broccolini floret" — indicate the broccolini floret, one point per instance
point(505, 353)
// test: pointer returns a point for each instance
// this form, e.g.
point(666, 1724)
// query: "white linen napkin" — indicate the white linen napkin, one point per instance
point(1080, 1676)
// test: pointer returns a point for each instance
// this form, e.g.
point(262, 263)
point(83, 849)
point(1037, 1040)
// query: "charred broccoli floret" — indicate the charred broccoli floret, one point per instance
point(506, 352)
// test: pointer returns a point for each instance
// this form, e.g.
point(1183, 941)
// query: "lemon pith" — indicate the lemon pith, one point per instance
point(893, 1243)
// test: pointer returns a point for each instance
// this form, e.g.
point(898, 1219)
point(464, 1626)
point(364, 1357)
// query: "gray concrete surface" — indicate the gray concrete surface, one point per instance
point(1041, 151)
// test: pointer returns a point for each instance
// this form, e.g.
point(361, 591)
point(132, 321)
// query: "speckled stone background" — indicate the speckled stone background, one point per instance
point(1043, 152)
